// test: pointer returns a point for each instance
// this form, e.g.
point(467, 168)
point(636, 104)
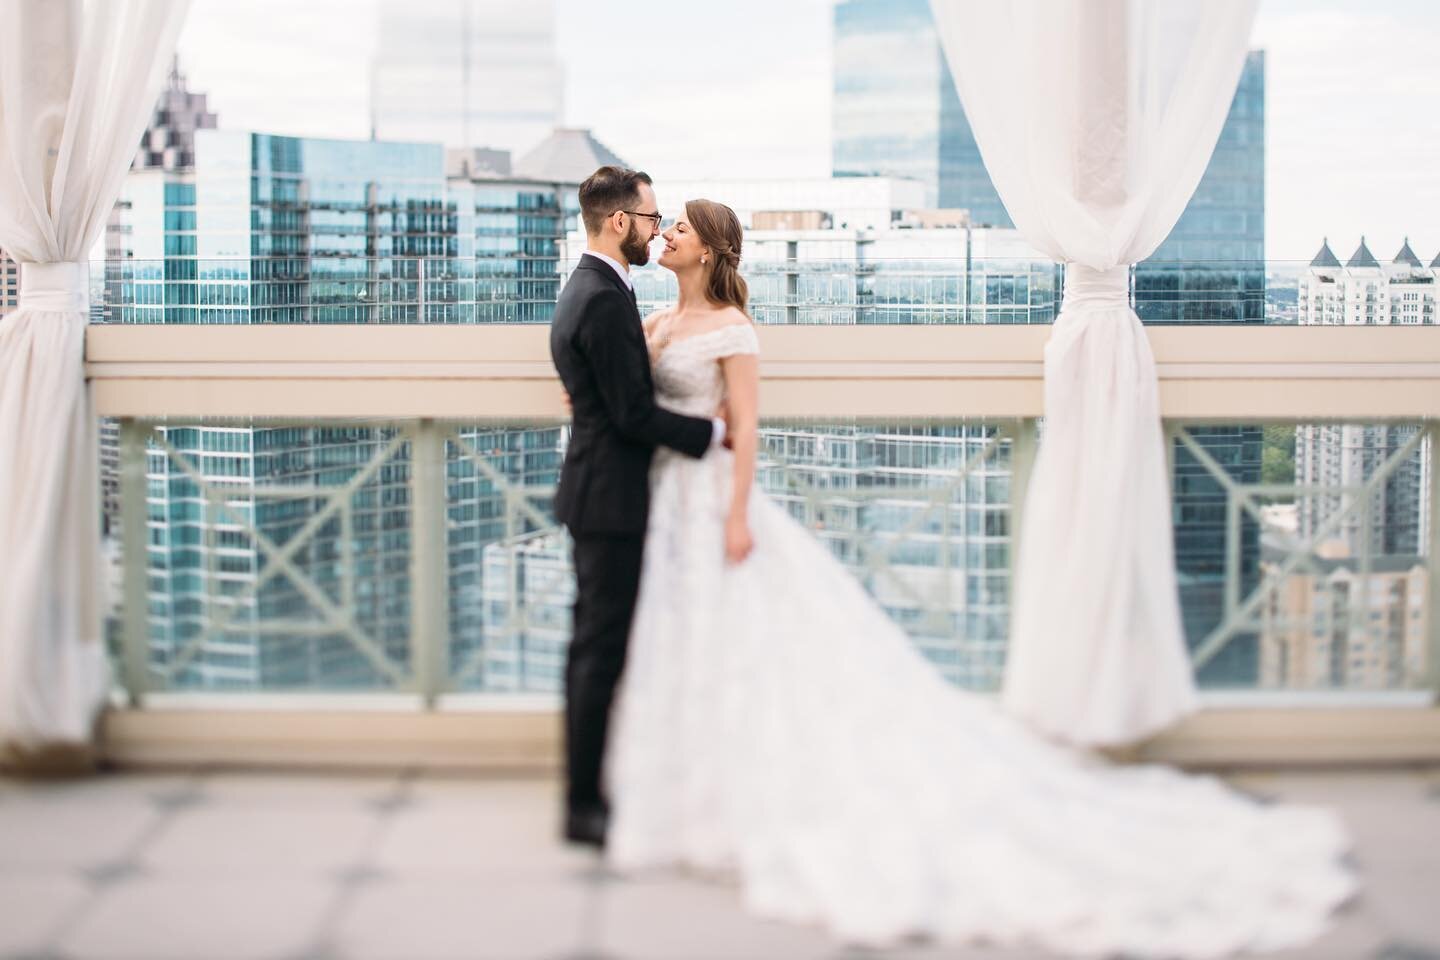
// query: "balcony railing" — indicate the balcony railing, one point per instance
point(306, 555)
point(388, 538)
point(520, 285)
point(360, 516)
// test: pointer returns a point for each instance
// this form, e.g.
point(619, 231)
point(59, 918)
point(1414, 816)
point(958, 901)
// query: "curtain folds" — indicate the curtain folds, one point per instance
point(78, 82)
point(1096, 120)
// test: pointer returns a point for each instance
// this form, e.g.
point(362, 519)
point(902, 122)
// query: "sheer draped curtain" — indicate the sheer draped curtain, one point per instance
point(78, 81)
point(1096, 120)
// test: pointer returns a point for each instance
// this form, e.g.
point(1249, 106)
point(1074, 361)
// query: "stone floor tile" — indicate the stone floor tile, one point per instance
point(32, 907)
point(42, 833)
point(663, 920)
point(479, 841)
point(267, 841)
point(493, 793)
point(289, 789)
point(186, 918)
point(439, 920)
point(1403, 899)
point(109, 787)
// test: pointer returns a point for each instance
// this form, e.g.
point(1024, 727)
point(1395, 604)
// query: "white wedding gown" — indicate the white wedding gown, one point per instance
point(774, 727)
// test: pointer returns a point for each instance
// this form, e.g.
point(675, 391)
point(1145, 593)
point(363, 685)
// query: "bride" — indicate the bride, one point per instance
point(774, 727)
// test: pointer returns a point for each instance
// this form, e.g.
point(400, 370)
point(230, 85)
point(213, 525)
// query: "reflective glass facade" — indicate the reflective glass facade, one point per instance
point(1210, 268)
point(270, 229)
point(896, 110)
point(267, 229)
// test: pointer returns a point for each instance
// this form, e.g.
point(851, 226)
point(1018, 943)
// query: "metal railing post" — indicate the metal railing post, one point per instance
point(135, 561)
point(1432, 563)
point(1024, 444)
point(429, 590)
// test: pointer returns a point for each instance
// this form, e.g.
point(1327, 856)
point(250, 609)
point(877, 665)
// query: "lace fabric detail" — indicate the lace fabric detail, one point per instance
point(687, 373)
point(775, 728)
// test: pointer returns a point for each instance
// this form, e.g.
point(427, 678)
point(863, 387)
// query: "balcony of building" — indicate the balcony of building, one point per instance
point(334, 730)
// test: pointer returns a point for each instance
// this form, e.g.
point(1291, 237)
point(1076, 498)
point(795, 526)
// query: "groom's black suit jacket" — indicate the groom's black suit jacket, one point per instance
point(598, 347)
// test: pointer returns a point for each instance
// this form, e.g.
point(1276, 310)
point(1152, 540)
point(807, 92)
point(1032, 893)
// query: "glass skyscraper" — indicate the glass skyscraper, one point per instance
point(1211, 268)
point(896, 111)
point(265, 229)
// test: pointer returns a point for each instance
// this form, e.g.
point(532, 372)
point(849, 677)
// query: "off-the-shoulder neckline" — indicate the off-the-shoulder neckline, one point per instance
point(696, 336)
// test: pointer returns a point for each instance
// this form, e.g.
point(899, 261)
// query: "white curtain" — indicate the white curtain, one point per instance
point(78, 82)
point(1096, 119)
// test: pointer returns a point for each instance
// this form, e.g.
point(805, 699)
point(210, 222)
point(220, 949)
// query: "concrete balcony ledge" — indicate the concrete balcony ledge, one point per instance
point(880, 371)
point(526, 737)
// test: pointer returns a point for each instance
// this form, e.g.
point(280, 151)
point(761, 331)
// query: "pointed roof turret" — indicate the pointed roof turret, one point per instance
point(1362, 257)
point(1407, 256)
point(1435, 264)
point(1326, 257)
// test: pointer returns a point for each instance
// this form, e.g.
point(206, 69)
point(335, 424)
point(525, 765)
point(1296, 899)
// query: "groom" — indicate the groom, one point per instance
point(598, 347)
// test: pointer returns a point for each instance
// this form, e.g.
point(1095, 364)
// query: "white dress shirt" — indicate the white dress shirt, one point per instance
point(717, 437)
point(619, 268)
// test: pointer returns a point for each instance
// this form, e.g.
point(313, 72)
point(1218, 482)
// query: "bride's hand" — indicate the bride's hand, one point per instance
point(738, 542)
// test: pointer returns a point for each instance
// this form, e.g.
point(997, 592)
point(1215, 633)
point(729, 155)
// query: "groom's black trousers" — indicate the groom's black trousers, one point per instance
point(607, 580)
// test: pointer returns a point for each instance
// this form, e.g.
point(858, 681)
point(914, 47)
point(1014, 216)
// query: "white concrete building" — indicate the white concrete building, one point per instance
point(858, 203)
point(1365, 292)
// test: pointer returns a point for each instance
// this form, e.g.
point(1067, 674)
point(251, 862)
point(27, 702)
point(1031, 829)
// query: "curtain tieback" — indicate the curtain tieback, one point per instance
point(1086, 287)
point(63, 286)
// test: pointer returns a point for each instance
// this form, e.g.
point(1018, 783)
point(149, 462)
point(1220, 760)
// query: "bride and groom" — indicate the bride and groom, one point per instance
point(736, 704)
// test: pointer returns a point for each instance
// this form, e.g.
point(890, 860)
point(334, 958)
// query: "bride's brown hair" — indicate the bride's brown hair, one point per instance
point(719, 229)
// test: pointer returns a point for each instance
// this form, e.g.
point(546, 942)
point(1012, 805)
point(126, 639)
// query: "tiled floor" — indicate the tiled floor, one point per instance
point(204, 865)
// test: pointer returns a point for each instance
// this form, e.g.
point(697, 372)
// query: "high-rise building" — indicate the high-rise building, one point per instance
point(263, 229)
point(169, 140)
point(896, 111)
point(892, 276)
point(333, 231)
point(466, 73)
point(888, 501)
point(1364, 292)
point(861, 250)
point(1199, 500)
point(1211, 267)
point(1342, 625)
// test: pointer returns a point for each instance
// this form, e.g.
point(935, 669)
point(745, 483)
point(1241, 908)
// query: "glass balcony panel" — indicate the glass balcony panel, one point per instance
point(279, 555)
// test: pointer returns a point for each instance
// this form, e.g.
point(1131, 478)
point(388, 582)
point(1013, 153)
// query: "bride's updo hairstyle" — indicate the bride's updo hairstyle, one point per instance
point(719, 229)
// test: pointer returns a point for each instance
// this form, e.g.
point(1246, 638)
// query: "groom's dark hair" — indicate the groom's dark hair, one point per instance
point(606, 190)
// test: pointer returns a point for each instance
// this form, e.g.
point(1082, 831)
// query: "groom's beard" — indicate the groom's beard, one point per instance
point(635, 248)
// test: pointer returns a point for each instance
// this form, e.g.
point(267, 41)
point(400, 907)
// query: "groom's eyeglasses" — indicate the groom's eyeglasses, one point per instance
point(653, 217)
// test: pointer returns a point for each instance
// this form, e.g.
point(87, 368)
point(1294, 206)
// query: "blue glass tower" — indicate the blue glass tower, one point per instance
point(896, 110)
point(284, 230)
point(1211, 268)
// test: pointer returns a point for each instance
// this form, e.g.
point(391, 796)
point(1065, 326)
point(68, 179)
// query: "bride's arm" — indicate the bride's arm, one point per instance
point(742, 387)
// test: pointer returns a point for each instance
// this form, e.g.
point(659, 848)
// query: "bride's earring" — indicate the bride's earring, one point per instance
point(703, 261)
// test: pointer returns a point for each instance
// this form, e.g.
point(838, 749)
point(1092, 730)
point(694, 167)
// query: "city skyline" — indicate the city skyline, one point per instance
point(1346, 155)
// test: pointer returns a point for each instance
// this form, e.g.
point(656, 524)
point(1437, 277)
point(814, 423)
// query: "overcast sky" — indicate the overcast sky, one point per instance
point(743, 90)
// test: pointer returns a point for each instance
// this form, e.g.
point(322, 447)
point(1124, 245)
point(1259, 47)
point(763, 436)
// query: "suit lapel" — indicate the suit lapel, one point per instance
point(606, 271)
